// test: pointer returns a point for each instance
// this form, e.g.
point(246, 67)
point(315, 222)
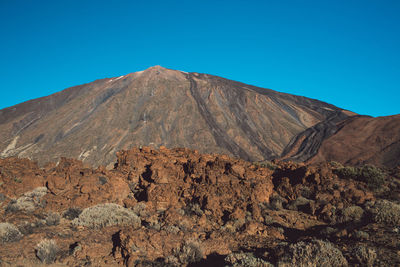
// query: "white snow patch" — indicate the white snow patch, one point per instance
point(184, 72)
point(116, 79)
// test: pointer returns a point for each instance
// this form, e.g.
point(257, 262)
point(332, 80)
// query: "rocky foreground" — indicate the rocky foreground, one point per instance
point(182, 208)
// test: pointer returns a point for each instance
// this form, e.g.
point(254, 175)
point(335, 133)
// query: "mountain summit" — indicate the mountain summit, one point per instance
point(159, 106)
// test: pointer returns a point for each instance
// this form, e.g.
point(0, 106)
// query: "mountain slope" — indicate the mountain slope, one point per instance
point(156, 107)
point(306, 144)
point(363, 140)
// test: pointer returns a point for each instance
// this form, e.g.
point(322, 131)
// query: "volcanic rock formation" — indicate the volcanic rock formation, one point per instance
point(159, 106)
point(182, 208)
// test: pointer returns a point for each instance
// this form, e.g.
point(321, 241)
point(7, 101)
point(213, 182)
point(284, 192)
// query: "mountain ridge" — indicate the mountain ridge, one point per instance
point(158, 106)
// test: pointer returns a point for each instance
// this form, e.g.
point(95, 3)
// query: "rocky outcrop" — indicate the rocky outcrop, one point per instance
point(179, 207)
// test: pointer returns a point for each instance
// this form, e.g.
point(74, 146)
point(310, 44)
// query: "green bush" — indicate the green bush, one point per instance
point(371, 175)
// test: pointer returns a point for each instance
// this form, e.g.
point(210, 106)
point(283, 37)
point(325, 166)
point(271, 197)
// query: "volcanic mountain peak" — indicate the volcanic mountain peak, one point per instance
point(158, 72)
point(161, 68)
point(151, 71)
point(159, 106)
point(156, 67)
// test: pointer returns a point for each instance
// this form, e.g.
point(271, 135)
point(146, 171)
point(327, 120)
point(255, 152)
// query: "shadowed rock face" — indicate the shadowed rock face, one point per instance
point(157, 107)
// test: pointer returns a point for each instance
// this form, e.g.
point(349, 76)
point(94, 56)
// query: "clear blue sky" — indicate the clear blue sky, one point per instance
point(344, 52)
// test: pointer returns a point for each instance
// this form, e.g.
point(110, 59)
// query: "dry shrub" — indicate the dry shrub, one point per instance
point(107, 214)
point(47, 251)
point(28, 201)
point(384, 211)
point(314, 253)
point(365, 256)
point(371, 175)
point(9, 233)
point(246, 259)
point(189, 252)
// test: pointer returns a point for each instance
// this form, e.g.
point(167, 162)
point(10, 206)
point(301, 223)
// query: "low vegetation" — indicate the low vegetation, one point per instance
point(266, 164)
point(189, 252)
point(53, 218)
point(350, 214)
point(364, 256)
point(246, 259)
point(371, 175)
point(29, 201)
point(72, 213)
point(314, 253)
point(209, 214)
point(47, 251)
point(384, 211)
point(9, 233)
point(107, 214)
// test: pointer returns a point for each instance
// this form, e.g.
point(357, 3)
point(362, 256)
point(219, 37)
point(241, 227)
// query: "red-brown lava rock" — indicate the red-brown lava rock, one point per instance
point(178, 207)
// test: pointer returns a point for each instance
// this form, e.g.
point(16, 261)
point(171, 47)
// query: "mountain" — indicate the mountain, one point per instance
point(363, 140)
point(357, 140)
point(159, 106)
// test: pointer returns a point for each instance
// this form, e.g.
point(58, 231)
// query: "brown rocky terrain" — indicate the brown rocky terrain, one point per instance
point(159, 106)
point(178, 207)
point(159, 206)
point(356, 140)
